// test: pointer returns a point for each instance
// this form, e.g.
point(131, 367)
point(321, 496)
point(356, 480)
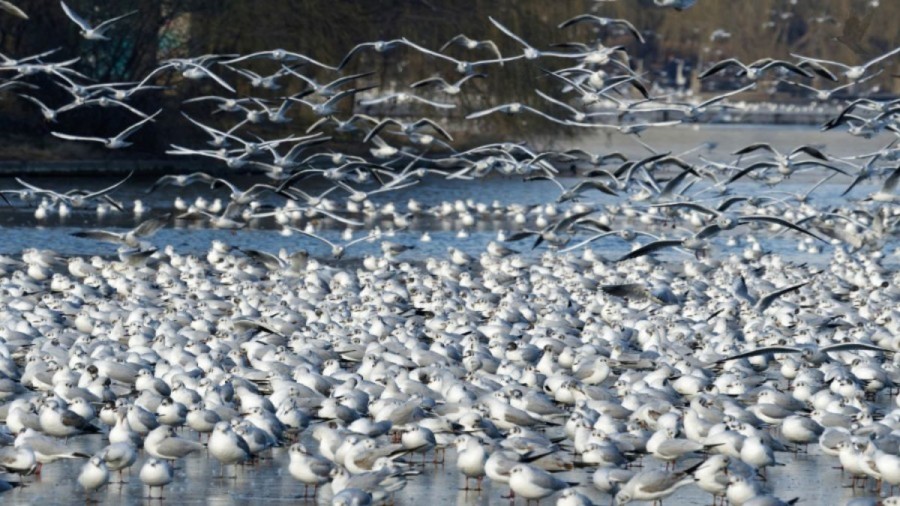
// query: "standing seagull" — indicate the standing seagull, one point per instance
point(93, 476)
point(87, 31)
point(156, 473)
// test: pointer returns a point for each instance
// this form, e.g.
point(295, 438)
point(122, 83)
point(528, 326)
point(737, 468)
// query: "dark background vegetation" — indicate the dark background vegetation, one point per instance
point(844, 30)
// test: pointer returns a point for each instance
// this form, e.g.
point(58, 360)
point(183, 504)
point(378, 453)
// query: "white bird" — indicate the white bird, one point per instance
point(94, 475)
point(117, 142)
point(226, 446)
point(535, 483)
point(852, 72)
point(309, 469)
point(162, 443)
point(654, 485)
point(89, 32)
point(118, 457)
point(156, 473)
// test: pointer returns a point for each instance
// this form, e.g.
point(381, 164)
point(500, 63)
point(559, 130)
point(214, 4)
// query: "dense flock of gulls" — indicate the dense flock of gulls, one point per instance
point(636, 375)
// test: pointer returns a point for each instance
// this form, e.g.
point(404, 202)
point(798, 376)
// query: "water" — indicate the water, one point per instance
point(810, 477)
point(198, 481)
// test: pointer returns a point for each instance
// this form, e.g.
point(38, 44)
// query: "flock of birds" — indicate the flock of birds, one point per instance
point(652, 374)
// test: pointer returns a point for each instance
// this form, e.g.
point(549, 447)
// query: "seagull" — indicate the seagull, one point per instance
point(78, 198)
point(754, 70)
point(117, 142)
point(227, 446)
point(280, 55)
point(180, 180)
point(462, 66)
point(19, 460)
point(329, 107)
point(604, 22)
point(47, 449)
point(308, 468)
point(654, 485)
point(404, 98)
point(131, 237)
point(727, 221)
point(529, 52)
point(379, 46)
point(156, 473)
point(162, 443)
point(810, 353)
point(854, 73)
point(94, 475)
point(88, 32)
point(407, 128)
point(468, 43)
point(118, 456)
point(447, 87)
point(823, 95)
point(338, 250)
point(534, 483)
point(762, 303)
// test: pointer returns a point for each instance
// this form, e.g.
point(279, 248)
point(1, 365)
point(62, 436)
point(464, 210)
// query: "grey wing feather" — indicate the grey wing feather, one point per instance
point(783, 223)
point(854, 346)
point(650, 248)
point(761, 351)
point(767, 301)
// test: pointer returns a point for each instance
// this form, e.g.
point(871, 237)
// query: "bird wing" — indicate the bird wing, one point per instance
point(247, 323)
point(213, 76)
point(719, 67)
point(635, 290)
point(78, 137)
point(596, 185)
point(303, 232)
point(650, 248)
point(430, 80)
point(708, 231)
point(508, 33)
point(782, 222)
point(740, 289)
point(518, 236)
point(689, 205)
point(890, 184)
point(753, 147)
point(485, 112)
point(12, 9)
point(811, 151)
point(769, 298)
point(108, 189)
point(760, 351)
point(124, 134)
point(149, 227)
point(110, 21)
point(435, 126)
point(723, 96)
point(75, 17)
point(100, 235)
point(854, 346)
point(789, 66)
point(72, 419)
point(743, 172)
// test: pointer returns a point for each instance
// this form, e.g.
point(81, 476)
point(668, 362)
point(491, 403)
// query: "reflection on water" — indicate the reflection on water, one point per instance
point(198, 481)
